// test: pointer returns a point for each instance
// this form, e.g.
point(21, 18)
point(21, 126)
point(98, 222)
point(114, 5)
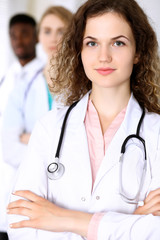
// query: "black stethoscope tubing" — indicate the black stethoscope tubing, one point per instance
point(56, 169)
point(61, 137)
point(123, 148)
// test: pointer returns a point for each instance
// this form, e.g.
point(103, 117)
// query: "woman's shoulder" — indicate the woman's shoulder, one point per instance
point(153, 118)
point(47, 127)
point(152, 127)
point(59, 110)
point(53, 117)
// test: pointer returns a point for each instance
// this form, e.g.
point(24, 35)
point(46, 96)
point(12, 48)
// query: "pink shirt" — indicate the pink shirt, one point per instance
point(98, 143)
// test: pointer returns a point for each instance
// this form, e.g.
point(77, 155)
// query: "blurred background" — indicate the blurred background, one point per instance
point(37, 7)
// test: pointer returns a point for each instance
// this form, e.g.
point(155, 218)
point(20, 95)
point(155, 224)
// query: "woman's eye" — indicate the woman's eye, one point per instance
point(92, 44)
point(47, 31)
point(119, 44)
point(61, 32)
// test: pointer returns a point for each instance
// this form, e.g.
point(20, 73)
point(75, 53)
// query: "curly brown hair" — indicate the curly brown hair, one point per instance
point(69, 81)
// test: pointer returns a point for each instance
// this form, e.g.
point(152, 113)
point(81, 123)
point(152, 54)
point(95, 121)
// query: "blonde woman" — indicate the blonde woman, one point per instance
point(30, 99)
point(51, 29)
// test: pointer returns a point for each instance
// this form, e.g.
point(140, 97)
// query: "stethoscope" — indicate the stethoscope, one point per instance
point(134, 200)
point(55, 170)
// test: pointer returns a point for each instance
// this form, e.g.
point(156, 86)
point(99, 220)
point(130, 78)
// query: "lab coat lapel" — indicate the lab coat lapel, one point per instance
point(79, 148)
point(76, 124)
point(128, 126)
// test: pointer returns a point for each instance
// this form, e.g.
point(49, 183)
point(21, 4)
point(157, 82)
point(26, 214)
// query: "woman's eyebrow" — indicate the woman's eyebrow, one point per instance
point(114, 38)
point(93, 38)
point(120, 36)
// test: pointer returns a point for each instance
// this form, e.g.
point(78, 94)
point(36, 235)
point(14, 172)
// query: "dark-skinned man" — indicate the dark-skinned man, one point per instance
point(26, 68)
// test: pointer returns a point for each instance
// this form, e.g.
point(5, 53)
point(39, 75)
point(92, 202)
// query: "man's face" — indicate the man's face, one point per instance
point(23, 40)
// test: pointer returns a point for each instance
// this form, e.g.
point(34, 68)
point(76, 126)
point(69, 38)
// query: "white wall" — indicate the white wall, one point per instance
point(152, 9)
point(37, 7)
point(4, 42)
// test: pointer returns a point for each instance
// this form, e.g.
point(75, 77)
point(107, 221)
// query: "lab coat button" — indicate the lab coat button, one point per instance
point(97, 197)
point(83, 199)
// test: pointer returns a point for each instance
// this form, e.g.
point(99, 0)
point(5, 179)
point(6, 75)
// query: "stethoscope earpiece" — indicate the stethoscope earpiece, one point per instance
point(55, 171)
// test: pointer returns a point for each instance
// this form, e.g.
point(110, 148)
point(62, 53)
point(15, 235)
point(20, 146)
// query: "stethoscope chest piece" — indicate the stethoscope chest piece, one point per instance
point(55, 170)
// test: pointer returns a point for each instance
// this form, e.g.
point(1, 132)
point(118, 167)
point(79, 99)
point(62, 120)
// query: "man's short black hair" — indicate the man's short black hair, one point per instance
point(22, 18)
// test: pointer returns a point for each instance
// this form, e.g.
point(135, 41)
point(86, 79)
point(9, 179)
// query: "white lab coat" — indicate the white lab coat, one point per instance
point(25, 106)
point(27, 102)
point(15, 75)
point(74, 189)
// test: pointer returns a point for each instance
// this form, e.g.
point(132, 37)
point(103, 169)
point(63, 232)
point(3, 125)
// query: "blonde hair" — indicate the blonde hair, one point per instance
point(64, 14)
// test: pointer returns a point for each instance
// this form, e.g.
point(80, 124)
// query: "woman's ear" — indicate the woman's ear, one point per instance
point(136, 58)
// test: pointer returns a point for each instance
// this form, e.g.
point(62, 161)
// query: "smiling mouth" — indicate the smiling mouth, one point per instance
point(105, 71)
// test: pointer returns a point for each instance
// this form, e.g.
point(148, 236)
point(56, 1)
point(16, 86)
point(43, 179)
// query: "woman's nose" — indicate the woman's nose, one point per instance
point(53, 37)
point(105, 54)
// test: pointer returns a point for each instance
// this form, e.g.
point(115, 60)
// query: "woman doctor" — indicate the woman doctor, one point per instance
point(30, 100)
point(103, 180)
point(51, 29)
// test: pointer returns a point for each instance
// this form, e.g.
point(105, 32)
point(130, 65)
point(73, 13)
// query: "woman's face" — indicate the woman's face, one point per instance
point(51, 31)
point(108, 51)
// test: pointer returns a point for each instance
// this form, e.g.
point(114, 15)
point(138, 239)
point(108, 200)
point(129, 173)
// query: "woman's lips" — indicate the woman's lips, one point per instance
point(52, 48)
point(105, 71)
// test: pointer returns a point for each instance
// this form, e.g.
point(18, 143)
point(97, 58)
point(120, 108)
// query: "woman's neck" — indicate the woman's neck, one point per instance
point(47, 69)
point(109, 103)
point(46, 72)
